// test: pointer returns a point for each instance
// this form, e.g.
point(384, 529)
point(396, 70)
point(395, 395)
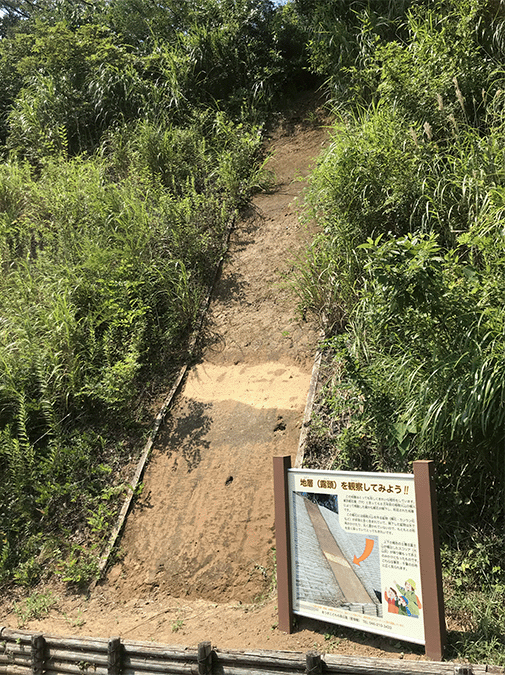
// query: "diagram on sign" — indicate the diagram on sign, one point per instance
point(334, 568)
point(354, 550)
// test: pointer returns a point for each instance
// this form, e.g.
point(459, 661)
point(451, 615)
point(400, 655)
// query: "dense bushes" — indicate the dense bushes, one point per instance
point(63, 84)
point(409, 271)
point(118, 183)
point(105, 262)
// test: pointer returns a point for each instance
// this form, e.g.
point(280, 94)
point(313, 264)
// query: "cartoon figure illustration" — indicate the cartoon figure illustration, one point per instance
point(403, 606)
point(413, 604)
point(391, 597)
point(396, 603)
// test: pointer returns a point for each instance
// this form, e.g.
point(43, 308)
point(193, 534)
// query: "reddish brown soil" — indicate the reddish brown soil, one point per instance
point(198, 547)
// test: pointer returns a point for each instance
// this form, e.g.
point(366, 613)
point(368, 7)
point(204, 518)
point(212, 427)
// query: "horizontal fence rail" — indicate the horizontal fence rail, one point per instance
point(28, 653)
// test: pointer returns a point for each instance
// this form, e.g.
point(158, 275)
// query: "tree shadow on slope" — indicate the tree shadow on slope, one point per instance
point(230, 287)
point(184, 435)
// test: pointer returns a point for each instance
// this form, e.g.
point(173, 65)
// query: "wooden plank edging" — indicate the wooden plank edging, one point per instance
point(21, 654)
point(310, 400)
point(104, 559)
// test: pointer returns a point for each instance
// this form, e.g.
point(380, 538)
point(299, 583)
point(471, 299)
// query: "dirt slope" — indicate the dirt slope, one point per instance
point(199, 545)
point(204, 528)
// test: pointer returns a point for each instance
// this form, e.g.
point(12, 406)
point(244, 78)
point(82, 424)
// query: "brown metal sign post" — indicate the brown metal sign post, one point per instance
point(429, 558)
point(281, 465)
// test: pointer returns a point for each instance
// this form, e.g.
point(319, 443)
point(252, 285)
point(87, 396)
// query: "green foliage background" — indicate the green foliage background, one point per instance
point(409, 271)
point(130, 133)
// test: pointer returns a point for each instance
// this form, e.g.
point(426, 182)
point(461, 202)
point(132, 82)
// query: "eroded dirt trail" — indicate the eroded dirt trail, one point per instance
point(204, 527)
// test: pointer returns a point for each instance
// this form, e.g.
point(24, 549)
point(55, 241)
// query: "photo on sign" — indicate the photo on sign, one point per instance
point(334, 568)
point(354, 551)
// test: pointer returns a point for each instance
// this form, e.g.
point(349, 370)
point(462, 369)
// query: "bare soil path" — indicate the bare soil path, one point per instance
point(198, 546)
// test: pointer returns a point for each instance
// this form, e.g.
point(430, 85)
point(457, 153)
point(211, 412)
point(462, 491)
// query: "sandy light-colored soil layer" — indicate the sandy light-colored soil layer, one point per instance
point(198, 547)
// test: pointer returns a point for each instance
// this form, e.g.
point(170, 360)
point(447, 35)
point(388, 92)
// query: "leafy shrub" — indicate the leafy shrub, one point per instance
point(440, 72)
point(410, 269)
point(106, 261)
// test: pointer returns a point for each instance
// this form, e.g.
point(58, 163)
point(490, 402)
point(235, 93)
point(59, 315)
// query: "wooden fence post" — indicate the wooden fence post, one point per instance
point(313, 663)
point(114, 656)
point(38, 648)
point(204, 658)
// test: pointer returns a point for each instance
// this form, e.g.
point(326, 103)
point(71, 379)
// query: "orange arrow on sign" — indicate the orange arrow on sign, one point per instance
point(368, 548)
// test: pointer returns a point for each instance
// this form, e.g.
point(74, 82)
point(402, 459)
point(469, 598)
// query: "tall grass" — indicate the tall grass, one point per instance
point(410, 268)
point(105, 263)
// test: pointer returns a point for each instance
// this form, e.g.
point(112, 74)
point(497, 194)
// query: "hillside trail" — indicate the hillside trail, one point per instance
point(197, 557)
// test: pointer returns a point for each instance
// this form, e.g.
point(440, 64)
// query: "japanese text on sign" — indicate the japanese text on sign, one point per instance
point(378, 514)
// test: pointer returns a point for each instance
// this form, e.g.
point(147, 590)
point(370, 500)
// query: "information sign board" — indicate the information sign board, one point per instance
point(354, 551)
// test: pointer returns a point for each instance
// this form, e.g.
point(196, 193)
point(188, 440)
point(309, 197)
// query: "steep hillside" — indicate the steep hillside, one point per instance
point(197, 554)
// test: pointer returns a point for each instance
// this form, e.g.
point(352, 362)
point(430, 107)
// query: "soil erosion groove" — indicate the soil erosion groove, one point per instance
point(204, 526)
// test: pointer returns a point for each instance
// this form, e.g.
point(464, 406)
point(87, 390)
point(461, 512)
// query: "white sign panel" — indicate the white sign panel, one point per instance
point(355, 557)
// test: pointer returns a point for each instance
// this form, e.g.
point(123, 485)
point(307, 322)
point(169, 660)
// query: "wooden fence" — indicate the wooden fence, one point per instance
point(29, 653)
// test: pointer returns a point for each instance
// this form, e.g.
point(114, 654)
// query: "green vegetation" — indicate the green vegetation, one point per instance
point(177, 625)
point(35, 606)
point(409, 272)
point(130, 134)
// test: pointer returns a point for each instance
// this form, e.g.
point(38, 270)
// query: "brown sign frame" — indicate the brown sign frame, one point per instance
point(429, 553)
